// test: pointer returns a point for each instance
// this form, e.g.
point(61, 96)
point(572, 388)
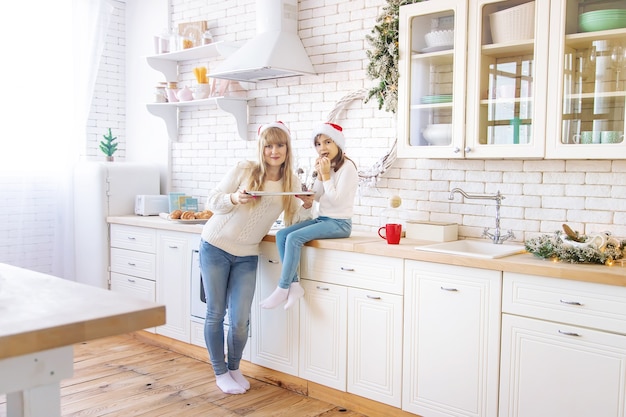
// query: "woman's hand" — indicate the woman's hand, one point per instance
point(241, 197)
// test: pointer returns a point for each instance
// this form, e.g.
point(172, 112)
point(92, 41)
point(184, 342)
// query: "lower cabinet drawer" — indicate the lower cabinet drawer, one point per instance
point(585, 304)
point(129, 262)
point(133, 286)
point(378, 273)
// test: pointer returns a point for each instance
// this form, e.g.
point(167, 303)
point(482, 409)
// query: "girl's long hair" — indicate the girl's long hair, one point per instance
point(272, 136)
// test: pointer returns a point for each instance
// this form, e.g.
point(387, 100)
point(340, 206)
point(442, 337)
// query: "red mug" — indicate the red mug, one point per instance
point(392, 234)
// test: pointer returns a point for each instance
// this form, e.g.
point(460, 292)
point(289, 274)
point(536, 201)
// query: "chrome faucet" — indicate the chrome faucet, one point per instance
point(496, 237)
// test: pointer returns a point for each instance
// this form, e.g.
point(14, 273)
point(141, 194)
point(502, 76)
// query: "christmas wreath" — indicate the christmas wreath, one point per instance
point(562, 248)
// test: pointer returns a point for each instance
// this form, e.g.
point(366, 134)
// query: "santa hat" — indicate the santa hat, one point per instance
point(333, 131)
point(277, 124)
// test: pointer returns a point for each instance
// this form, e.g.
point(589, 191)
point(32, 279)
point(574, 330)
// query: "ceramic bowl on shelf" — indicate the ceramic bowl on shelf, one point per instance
point(602, 20)
point(439, 134)
point(439, 38)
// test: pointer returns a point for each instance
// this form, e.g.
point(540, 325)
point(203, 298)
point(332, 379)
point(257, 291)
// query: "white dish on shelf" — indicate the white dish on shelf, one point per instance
point(436, 48)
point(275, 193)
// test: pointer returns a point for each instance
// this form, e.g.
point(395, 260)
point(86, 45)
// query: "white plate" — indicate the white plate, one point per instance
point(273, 193)
point(190, 221)
point(436, 48)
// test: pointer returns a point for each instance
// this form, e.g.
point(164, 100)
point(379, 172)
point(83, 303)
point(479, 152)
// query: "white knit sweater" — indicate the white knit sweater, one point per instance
point(239, 228)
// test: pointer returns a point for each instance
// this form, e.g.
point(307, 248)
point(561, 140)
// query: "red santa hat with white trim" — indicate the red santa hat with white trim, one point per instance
point(333, 131)
point(277, 124)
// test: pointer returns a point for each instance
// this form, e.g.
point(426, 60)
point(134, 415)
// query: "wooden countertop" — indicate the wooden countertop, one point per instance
point(40, 312)
point(371, 243)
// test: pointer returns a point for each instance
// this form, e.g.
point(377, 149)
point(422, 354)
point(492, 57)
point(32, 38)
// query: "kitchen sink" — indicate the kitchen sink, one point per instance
point(475, 248)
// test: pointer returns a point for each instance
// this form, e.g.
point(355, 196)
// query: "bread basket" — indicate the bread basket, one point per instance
point(513, 24)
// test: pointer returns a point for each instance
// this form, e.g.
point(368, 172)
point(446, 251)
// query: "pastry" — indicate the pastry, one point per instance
point(176, 214)
point(206, 214)
point(188, 215)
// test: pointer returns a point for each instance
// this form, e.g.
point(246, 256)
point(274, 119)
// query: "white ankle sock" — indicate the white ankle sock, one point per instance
point(228, 385)
point(278, 296)
point(240, 379)
point(295, 293)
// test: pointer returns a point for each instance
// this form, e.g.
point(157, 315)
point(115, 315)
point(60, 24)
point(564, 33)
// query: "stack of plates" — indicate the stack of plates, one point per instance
point(602, 20)
point(441, 98)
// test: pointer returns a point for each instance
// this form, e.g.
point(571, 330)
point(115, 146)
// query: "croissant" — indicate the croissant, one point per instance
point(188, 215)
point(176, 214)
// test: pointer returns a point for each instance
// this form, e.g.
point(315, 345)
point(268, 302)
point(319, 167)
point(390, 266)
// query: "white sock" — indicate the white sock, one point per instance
point(278, 296)
point(240, 379)
point(295, 293)
point(228, 385)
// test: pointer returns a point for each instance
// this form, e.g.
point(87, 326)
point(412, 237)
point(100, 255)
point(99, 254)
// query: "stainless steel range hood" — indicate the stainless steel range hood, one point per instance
point(275, 52)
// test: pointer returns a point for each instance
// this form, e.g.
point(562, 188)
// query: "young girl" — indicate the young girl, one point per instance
point(335, 188)
point(230, 245)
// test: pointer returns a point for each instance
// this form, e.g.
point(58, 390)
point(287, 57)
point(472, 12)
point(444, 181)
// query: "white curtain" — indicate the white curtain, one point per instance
point(51, 62)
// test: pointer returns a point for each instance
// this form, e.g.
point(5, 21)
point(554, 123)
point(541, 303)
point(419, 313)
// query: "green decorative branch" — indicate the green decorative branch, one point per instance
point(383, 66)
point(107, 146)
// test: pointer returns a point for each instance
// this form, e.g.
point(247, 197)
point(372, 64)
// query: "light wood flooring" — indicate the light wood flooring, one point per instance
point(123, 376)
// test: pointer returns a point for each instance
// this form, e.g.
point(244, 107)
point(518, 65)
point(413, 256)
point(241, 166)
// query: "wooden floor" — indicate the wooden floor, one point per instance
point(122, 376)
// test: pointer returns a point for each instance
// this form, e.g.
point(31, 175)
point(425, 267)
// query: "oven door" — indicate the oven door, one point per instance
point(198, 298)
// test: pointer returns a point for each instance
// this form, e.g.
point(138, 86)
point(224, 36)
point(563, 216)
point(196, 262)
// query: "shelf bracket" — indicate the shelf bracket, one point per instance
point(169, 114)
point(239, 109)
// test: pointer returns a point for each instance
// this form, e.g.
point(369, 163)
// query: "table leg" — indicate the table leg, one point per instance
point(32, 382)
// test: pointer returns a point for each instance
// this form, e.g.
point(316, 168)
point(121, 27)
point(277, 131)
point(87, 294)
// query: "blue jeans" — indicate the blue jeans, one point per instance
point(229, 282)
point(291, 239)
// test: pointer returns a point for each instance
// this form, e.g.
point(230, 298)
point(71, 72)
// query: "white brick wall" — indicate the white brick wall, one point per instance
point(541, 195)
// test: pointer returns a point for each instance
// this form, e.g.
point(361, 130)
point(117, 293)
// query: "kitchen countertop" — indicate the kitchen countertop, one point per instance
point(371, 243)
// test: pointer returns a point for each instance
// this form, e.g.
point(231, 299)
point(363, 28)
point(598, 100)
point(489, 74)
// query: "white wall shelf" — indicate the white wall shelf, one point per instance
point(238, 107)
point(168, 65)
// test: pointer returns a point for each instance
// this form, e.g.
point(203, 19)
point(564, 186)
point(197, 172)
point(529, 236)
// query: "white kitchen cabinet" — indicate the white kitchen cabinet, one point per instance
point(323, 330)
point(527, 95)
point(350, 330)
point(168, 64)
point(274, 339)
point(133, 261)
point(591, 96)
point(432, 79)
point(451, 340)
point(375, 345)
point(173, 276)
point(563, 348)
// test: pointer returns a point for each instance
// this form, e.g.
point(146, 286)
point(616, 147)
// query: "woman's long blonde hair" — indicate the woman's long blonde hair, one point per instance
point(272, 136)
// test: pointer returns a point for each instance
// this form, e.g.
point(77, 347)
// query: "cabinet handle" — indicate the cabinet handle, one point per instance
point(173, 247)
point(456, 150)
point(448, 289)
point(343, 268)
point(322, 288)
point(373, 297)
point(131, 238)
point(132, 264)
point(273, 261)
point(131, 280)
point(569, 333)
point(468, 149)
point(571, 303)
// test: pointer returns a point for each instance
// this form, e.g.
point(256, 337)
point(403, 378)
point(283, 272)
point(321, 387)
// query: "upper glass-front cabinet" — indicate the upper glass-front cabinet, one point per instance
point(514, 79)
point(431, 99)
point(589, 42)
point(507, 63)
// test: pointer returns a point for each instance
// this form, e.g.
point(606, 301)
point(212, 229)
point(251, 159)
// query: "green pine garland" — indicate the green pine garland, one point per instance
point(383, 65)
point(553, 247)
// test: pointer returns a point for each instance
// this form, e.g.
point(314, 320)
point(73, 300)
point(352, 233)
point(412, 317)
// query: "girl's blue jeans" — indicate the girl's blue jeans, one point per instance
point(291, 239)
point(229, 282)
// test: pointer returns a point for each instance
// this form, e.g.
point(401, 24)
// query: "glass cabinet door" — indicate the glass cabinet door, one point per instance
point(431, 96)
point(591, 64)
point(507, 78)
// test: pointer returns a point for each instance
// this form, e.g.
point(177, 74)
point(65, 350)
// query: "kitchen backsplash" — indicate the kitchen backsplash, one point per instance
point(540, 195)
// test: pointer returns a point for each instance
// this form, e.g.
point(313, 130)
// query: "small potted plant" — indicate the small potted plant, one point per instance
point(107, 146)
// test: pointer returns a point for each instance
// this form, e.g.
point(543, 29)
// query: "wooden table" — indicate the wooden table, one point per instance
point(41, 317)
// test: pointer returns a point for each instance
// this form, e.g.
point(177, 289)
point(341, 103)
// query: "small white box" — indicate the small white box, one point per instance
point(432, 231)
